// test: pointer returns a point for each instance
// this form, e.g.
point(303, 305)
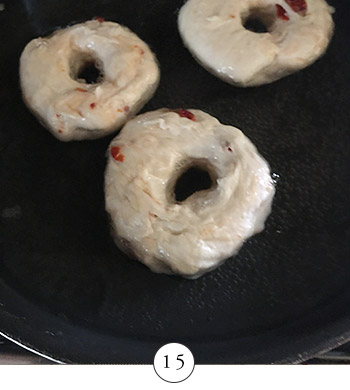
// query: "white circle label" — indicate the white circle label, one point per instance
point(173, 362)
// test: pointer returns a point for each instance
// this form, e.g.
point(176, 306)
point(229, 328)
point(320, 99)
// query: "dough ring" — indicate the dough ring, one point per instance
point(69, 106)
point(194, 235)
point(298, 32)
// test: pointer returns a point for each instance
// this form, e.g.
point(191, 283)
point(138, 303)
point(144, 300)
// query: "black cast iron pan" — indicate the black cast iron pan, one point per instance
point(65, 289)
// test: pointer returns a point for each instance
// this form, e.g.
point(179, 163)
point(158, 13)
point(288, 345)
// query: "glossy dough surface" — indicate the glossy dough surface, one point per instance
point(298, 33)
point(196, 235)
point(72, 109)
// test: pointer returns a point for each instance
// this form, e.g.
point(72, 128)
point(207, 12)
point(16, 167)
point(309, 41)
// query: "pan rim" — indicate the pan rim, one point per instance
point(39, 328)
point(327, 346)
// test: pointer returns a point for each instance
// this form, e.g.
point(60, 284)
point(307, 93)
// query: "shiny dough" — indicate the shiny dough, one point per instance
point(70, 108)
point(194, 236)
point(298, 33)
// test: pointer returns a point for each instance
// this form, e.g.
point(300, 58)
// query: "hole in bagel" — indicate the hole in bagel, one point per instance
point(259, 20)
point(194, 177)
point(255, 25)
point(90, 73)
point(86, 69)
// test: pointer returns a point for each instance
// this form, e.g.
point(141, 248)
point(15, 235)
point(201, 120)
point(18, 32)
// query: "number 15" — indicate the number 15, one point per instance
point(178, 358)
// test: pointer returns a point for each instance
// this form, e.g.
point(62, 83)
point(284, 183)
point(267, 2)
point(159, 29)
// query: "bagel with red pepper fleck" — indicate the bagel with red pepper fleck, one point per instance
point(297, 33)
point(196, 234)
point(71, 107)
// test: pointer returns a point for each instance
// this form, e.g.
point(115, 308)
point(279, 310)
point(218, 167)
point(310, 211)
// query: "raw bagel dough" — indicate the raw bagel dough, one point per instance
point(72, 109)
point(298, 33)
point(196, 235)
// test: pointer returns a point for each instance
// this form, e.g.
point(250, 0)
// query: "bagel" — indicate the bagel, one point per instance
point(195, 235)
point(70, 107)
point(298, 32)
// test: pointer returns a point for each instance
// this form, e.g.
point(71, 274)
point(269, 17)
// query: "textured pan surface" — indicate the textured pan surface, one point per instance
point(66, 290)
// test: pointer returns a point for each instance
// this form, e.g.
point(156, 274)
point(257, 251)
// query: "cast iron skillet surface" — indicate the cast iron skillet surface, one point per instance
point(69, 293)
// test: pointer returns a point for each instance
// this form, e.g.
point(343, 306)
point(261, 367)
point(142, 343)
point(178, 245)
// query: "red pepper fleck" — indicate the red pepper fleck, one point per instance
point(140, 48)
point(120, 110)
point(281, 12)
point(126, 108)
point(116, 154)
point(227, 144)
point(81, 90)
point(92, 105)
point(58, 115)
point(186, 114)
point(60, 131)
point(232, 16)
point(297, 5)
point(99, 19)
